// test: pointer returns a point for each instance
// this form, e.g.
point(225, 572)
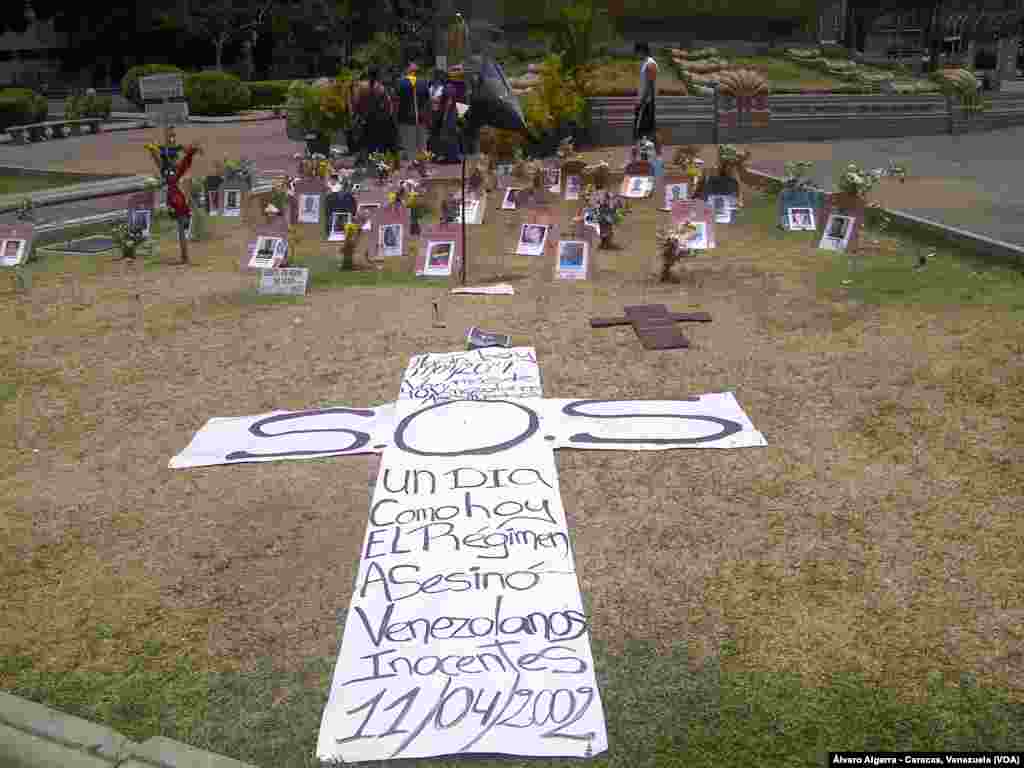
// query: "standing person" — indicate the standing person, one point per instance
point(448, 144)
point(374, 105)
point(413, 102)
point(644, 124)
point(436, 93)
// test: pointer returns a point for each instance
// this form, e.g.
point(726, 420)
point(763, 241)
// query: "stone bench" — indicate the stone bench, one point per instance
point(25, 134)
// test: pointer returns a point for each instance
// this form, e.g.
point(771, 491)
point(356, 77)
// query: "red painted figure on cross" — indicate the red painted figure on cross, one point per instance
point(172, 172)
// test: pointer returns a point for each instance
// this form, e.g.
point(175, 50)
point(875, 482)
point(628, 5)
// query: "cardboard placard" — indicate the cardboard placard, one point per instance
point(277, 235)
point(799, 198)
point(510, 197)
point(441, 251)
point(702, 215)
point(671, 188)
point(553, 178)
point(389, 232)
point(306, 204)
point(572, 178)
point(287, 281)
point(368, 204)
point(232, 200)
point(476, 206)
point(15, 243)
point(574, 253)
point(835, 234)
point(638, 180)
point(335, 203)
point(142, 218)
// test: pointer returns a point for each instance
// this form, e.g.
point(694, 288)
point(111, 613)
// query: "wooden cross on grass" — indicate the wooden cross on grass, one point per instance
point(655, 325)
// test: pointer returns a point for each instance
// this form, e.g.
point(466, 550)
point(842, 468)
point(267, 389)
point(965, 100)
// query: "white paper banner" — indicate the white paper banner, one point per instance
point(481, 374)
point(280, 435)
point(466, 632)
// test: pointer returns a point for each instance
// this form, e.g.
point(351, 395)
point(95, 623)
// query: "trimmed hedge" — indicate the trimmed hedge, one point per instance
point(83, 105)
point(268, 93)
point(215, 94)
point(20, 106)
point(130, 81)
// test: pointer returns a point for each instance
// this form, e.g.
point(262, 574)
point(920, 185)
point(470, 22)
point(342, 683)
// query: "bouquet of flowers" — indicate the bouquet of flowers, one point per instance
point(686, 156)
point(796, 175)
point(598, 175)
point(128, 238)
point(348, 248)
point(566, 149)
point(730, 159)
point(674, 245)
point(381, 165)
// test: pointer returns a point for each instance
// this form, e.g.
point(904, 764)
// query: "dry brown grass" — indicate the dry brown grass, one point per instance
point(876, 532)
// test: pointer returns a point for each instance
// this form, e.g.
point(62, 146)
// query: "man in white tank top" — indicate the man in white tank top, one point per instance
point(644, 124)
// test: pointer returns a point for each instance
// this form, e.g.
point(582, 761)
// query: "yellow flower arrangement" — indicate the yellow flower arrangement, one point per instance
point(392, 198)
point(352, 231)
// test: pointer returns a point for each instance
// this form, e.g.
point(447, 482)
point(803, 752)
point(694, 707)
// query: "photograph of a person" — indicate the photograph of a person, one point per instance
point(837, 233)
point(638, 185)
point(232, 202)
point(213, 198)
point(267, 248)
point(673, 194)
point(141, 218)
point(511, 200)
point(472, 211)
point(572, 259)
point(801, 219)
point(531, 240)
point(365, 211)
point(338, 221)
point(724, 207)
point(553, 179)
point(309, 209)
point(391, 240)
point(13, 251)
point(439, 258)
point(572, 187)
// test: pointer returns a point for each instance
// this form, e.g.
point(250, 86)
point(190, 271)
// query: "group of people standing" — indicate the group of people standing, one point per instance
point(414, 114)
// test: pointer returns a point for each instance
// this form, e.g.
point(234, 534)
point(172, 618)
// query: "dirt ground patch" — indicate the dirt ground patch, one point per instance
point(877, 532)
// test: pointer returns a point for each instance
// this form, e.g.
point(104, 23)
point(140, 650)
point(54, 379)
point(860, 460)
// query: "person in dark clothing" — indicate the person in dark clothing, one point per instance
point(645, 125)
point(446, 140)
point(373, 105)
point(413, 109)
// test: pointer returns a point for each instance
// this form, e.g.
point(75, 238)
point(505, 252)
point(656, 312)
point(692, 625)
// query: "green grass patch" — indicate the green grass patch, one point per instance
point(661, 711)
point(8, 391)
point(950, 277)
point(17, 184)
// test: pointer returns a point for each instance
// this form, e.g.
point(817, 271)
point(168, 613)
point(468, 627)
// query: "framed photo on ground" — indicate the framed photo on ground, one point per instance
point(837, 233)
point(307, 201)
point(532, 238)
point(232, 205)
point(440, 251)
point(637, 186)
point(572, 259)
point(553, 179)
point(440, 255)
point(270, 252)
point(724, 207)
point(511, 200)
point(390, 237)
point(801, 219)
point(336, 233)
point(573, 187)
point(141, 218)
point(702, 216)
point(474, 211)
point(365, 212)
point(674, 192)
point(15, 243)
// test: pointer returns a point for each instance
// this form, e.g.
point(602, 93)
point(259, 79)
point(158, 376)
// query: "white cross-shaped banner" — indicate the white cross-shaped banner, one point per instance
point(466, 631)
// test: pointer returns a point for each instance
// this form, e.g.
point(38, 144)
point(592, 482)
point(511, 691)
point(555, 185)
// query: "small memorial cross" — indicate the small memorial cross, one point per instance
point(655, 325)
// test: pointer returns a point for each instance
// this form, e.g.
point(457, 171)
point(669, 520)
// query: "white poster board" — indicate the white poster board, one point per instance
point(269, 252)
point(13, 252)
point(479, 374)
point(440, 254)
point(287, 281)
point(532, 238)
point(391, 237)
point(309, 208)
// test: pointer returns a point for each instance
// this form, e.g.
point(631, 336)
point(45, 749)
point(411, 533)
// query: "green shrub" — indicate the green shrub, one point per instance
point(268, 93)
point(20, 106)
point(833, 51)
point(130, 81)
point(81, 105)
point(215, 94)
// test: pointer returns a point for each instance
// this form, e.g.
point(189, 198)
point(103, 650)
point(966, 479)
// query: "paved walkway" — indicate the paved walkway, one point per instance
point(973, 182)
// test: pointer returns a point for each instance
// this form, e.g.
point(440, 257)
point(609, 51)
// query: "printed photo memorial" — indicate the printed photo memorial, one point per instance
point(12, 252)
point(232, 202)
point(724, 207)
point(572, 259)
point(309, 209)
point(439, 258)
point(674, 193)
point(573, 186)
point(531, 240)
point(270, 251)
point(837, 233)
point(141, 218)
point(553, 179)
point(511, 200)
point(390, 244)
point(802, 219)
